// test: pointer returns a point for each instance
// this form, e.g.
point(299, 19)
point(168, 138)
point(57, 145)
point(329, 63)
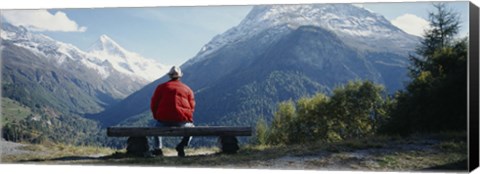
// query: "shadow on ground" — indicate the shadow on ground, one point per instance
point(66, 158)
point(117, 155)
point(455, 166)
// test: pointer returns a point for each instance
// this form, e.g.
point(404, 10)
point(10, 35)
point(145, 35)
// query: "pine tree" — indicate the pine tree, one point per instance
point(435, 100)
point(444, 24)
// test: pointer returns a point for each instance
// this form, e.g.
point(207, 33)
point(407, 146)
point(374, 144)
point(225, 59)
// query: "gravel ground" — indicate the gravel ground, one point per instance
point(11, 148)
point(368, 159)
point(364, 159)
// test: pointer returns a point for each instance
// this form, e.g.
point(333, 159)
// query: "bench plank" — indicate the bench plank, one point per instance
point(179, 131)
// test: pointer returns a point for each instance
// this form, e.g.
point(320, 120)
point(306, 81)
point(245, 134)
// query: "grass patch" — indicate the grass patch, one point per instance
point(50, 151)
point(13, 111)
point(442, 136)
point(418, 160)
point(452, 146)
point(361, 143)
point(365, 143)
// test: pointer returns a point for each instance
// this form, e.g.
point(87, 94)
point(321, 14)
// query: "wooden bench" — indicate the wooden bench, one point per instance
point(227, 135)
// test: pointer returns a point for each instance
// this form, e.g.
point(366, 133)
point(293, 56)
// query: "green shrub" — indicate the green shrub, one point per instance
point(354, 110)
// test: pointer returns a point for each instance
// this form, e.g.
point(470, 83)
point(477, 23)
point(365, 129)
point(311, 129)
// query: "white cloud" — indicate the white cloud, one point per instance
point(411, 24)
point(42, 20)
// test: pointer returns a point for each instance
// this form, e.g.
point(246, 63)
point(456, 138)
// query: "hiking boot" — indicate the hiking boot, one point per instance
point(157, 152)
point(180, 151)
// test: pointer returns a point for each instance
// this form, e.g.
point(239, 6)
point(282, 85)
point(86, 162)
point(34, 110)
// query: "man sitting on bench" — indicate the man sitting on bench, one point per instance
point(172, 105)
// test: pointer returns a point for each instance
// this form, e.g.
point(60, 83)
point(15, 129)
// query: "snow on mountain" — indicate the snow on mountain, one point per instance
point(126, 62)
point(355, 25)
point(49, 48)
point(104, 56)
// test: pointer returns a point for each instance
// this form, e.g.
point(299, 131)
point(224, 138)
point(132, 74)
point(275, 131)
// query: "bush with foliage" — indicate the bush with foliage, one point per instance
point(352, 111)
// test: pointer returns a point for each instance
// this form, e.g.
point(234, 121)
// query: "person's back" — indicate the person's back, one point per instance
point(173, 101)
point(172, 105)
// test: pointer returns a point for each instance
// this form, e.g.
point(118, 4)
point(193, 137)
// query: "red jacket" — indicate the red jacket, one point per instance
point(173, 101)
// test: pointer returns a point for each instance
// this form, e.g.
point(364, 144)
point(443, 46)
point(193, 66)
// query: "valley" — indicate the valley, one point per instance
point(325, 87)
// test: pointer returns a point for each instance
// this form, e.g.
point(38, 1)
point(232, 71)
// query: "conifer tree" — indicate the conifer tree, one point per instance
point(435, 99)
point(444, 25)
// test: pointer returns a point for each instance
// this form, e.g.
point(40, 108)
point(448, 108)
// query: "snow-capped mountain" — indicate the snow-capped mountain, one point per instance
point(357, 26)
point(105, 56)
point(125, 61)
point(283, 52)
point(66, 78)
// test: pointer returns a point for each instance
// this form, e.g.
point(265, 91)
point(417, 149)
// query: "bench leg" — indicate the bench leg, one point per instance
point(137, 146)
point(229, 144)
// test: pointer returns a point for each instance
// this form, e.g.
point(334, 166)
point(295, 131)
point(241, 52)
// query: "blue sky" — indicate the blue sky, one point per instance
point(392, 10)
point(173, 35)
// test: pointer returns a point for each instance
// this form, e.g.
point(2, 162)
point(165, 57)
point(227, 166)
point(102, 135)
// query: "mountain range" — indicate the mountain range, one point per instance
point(39, 71)
point(278, 53)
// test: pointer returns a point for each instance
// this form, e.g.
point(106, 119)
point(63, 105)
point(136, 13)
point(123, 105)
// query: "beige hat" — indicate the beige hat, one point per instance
point(175, 72)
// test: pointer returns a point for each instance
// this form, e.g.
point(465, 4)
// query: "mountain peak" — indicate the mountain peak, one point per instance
point(342, 18)
point(107, 44)
point(105, 39)
point(125, 61)
point(353, 24)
